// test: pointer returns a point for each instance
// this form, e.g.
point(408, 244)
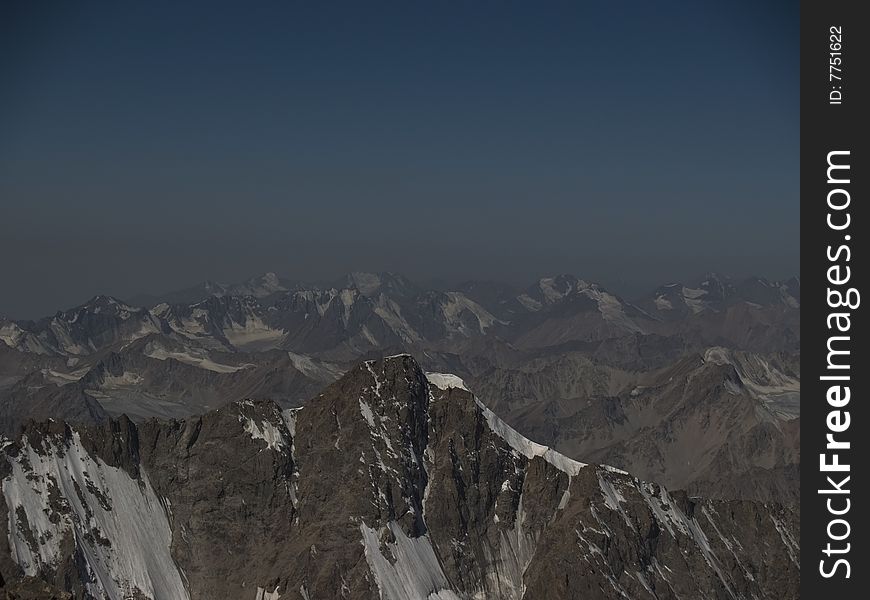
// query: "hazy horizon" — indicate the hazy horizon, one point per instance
point(145, 148)
point(627, 289)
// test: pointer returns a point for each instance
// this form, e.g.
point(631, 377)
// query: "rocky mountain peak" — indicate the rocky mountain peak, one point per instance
point(270, 278)
point(389, 485)
point(103, 305)
point(372, 284)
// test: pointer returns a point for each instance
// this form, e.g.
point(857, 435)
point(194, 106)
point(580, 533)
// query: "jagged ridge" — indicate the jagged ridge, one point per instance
point(384, 486)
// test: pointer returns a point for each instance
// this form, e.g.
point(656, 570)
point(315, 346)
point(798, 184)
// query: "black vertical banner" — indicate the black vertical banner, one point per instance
point(835, 431)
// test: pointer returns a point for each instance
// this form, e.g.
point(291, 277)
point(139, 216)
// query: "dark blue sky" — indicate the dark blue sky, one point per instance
point(146, 146)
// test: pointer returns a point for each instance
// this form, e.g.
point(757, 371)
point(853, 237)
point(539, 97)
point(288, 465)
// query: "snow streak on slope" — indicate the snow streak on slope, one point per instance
point(13, 336)
point(458, 305)
point(315, 369)
point(193, 358)
point(779, 391)
point(117, 523)
point(412, 571)
point(268, 423)
point(516, 548)
point(611, 308)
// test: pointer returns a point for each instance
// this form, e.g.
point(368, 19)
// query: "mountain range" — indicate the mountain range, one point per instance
point(712, 365)
point(390, 484)
point(694, 386)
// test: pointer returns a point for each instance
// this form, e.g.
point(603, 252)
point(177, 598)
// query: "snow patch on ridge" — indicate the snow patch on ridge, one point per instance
point(445, 381)
point(662, 303)
point(527, 447)
point(514, 439)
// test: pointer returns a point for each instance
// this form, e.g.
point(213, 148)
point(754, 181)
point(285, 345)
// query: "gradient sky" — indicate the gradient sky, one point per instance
point(148, 146)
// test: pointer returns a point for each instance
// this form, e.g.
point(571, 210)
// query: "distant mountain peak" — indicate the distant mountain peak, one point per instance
point(102, 304)
point(103, 300)
point(371, 284)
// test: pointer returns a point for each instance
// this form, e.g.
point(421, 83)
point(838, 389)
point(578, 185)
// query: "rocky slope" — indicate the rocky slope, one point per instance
point(720, 423)
point(390, 484)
